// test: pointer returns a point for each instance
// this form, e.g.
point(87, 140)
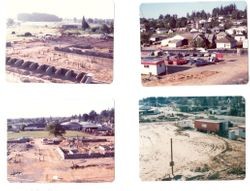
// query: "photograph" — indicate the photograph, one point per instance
point(65, 147)
point(192, 138)
point(194, 43)
point(60, 41)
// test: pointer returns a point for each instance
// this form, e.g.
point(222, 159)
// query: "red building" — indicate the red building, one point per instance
point(206, 125)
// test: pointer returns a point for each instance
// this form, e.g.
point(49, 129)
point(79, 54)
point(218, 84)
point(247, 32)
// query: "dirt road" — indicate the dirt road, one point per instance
point(233, 70)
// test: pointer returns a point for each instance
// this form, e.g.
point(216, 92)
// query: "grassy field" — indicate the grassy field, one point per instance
point(41, 134)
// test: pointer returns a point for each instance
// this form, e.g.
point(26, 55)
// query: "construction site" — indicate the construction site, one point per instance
point(196, 156)
point(192, 142)
point(48, 54)
point(72, 159)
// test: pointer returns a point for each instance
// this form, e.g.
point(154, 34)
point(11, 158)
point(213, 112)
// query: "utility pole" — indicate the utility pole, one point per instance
point(171, 162)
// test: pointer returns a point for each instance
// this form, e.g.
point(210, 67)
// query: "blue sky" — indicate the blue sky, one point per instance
point(153, 10)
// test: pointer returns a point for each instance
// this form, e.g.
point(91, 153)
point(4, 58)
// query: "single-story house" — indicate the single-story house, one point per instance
point(225, 43)
point(87, 126)
point(70, 125)
point(175, 41)
point(239, 38)
point(221, 35)
point(153, 66)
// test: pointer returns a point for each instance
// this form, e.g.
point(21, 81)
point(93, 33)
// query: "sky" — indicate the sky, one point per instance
point(63, 8)
point(153, 10)
point(56, 108)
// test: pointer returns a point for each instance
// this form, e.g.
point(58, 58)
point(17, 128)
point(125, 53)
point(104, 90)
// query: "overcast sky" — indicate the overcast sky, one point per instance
point(63, 8)
point(153, 10)
point(31, 108)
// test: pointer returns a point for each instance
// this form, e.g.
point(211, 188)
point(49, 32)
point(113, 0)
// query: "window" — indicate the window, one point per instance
point(204, 125)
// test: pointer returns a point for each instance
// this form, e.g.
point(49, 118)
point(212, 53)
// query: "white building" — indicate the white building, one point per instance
point(225, 43)
point(153, 66)
point(161, 30)
point(245, 43)
point(173, 40)
point(174, 43)
point(240, 38)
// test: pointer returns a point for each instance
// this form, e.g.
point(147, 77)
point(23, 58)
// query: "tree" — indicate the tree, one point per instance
point(23, 127)
point(56, 129)
point(104, 28)
point(92, 115)
point(85, 25)
point(161, 17)
point(85, 117)
point(145, 37)
point(111, 28)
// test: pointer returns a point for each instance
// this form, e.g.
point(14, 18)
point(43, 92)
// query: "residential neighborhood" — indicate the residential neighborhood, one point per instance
point(79, 148)
point(207, 136)
point(198, 47)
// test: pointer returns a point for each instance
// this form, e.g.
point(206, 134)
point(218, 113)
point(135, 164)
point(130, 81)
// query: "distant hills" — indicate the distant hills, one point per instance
point(38, 17)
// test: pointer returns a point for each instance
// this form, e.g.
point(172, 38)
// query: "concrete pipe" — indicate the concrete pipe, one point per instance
point(33, 66)
point(19, 63)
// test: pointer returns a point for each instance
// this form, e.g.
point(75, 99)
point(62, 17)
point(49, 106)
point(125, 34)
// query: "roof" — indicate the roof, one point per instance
point(225, 40)
point(175, 40)
point(152, 61)
point(210, 121)
point(88, 125)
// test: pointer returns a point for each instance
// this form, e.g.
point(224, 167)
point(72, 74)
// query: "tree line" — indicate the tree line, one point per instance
point(107, 115)
point(195, 104)
point(172, 21)
point(38, 17)
point(103, 28)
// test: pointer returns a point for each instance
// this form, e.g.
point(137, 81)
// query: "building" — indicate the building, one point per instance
point(71, 125)
point(150, 111)
point(153, 66)
point(225, 43)
point(175, 41)
point(239, 38)
point(245, 43)
point(185, 123)
point(161, 30)
point(221, 35)
point(71, 26)
point(87, 126)
point(211, 39)
point(237, 132)
point(211, 126)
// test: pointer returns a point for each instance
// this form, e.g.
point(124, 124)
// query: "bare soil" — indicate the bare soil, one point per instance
point(40, 50)
point(232, 70)
point(42, 163)
point(196, 155)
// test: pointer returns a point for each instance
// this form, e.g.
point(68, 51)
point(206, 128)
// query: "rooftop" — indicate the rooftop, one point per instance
point(210, 121)
point(152, 61)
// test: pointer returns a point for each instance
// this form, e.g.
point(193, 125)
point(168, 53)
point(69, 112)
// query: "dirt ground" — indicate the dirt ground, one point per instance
point(233, 70)
point(196, 155)
point(42, 51)
point(42, 163)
